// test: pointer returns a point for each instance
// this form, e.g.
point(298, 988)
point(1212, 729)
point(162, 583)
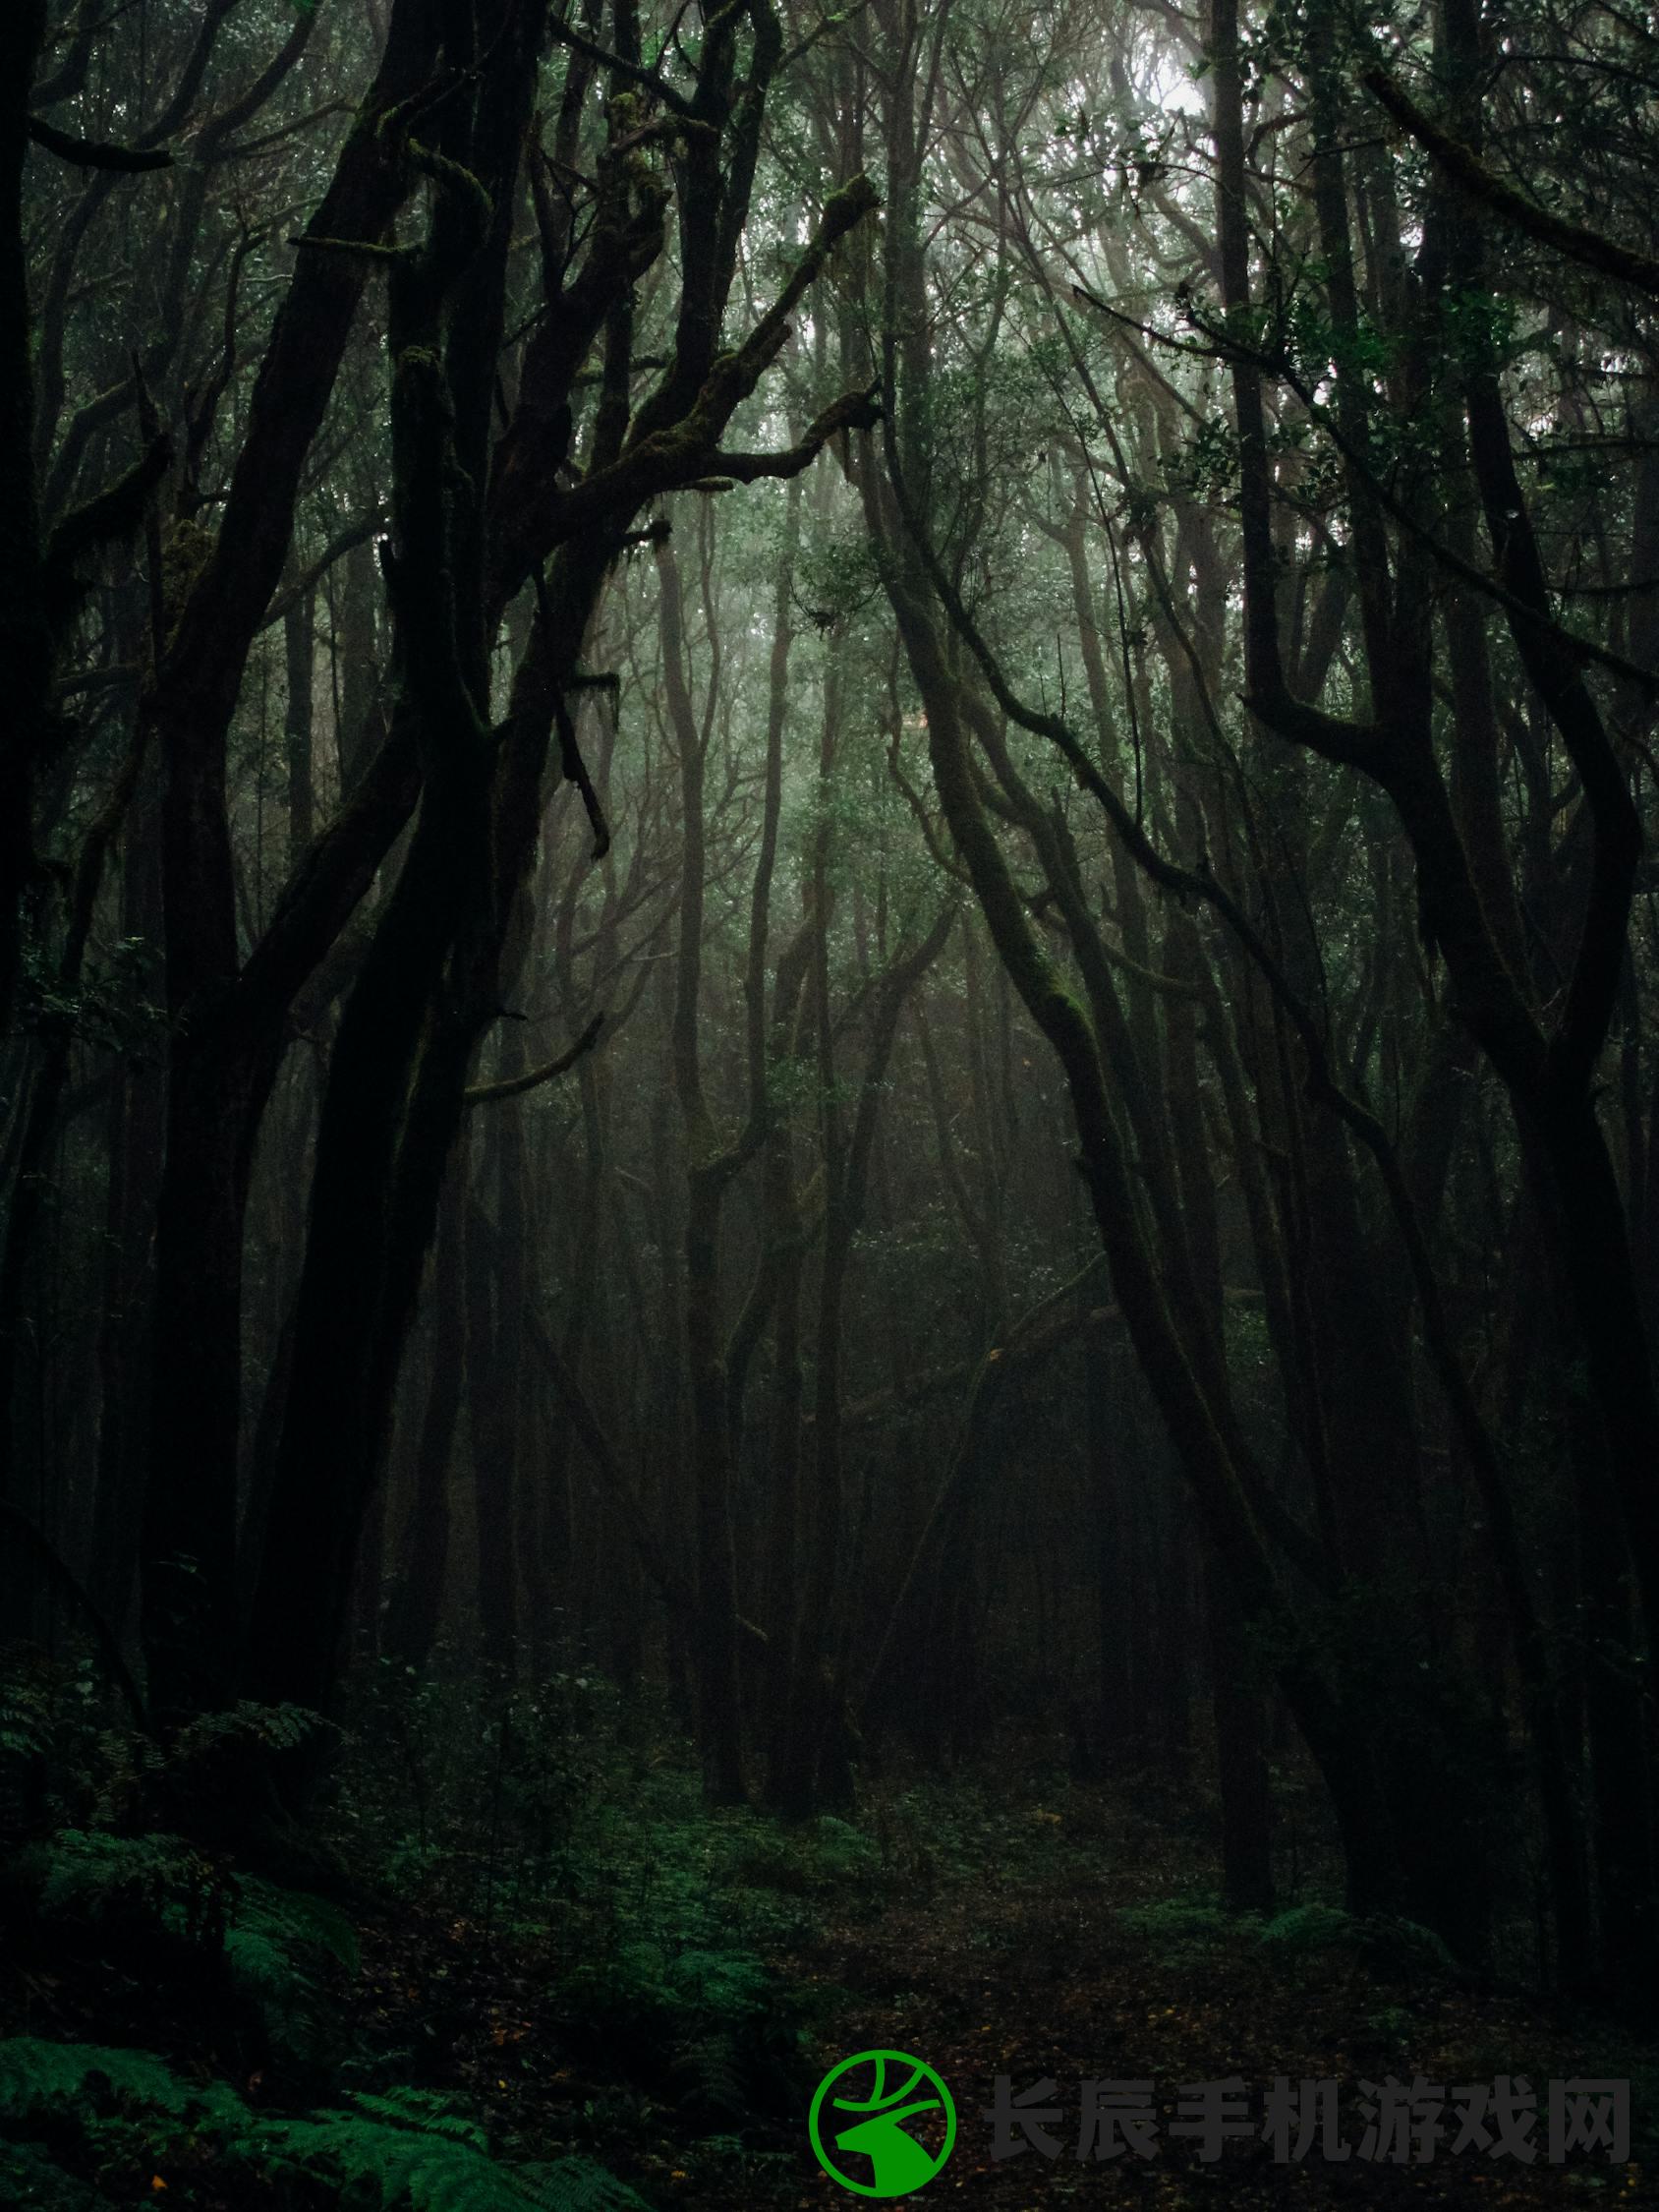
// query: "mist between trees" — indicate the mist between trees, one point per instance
point(822, 870)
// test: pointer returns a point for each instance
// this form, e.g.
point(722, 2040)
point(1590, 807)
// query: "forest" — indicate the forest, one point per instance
point(828, 1108)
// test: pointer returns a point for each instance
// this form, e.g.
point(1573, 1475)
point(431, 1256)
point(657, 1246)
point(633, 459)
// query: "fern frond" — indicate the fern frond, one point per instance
point(401, 2151)
point(273, 1727)
point(296, 1917)
point(578, 2185)
point(157, 1880)
point(30, 2181)
point(26, 1738)
point(276, 1946)
point(709, 2075)
point(417, 2164)
point(41, 2081)
point(423, 2109)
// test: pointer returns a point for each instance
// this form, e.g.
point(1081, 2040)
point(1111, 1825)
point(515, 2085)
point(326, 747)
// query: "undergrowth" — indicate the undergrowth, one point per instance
point(551, 1957)
point(558, 1824)
point(113, 2123)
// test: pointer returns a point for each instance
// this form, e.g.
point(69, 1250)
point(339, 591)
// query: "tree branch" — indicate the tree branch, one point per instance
point(485, 1095)
point(1471, 174)
point(93, 153)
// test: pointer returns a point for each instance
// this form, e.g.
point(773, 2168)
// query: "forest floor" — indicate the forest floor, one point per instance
point(658, 1988)
point(1019, 1924)
point(1110, 1960)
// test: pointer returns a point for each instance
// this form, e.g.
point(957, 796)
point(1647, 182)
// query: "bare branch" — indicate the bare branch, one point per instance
point(485, 1095)
point(93, 153)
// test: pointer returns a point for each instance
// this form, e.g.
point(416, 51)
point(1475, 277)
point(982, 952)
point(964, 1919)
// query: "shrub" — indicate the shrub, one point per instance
point(1385, 1941)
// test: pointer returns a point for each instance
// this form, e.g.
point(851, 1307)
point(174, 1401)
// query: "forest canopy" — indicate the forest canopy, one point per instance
point(826, 877)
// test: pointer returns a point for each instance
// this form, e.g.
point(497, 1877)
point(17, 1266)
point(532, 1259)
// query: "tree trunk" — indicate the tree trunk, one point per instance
point(416, 1610)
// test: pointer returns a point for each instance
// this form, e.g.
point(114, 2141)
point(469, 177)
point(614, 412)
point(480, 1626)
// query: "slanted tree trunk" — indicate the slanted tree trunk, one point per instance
point(25, 652)
point(497, 1308)
point(228, 1035)
point(417, 1609)
point(430, 981)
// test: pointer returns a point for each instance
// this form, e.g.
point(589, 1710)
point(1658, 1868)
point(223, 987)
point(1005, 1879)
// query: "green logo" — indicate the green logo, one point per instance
point(879, 2091)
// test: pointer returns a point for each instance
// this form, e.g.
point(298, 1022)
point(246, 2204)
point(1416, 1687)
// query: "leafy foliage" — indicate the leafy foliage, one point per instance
point(712, 2028)
point(166, 1903)
point(127, 1881)
point(1186, 1932)
point(1385, 1941)
point(65, 1765)
point(29, 2177)
point(42, 2082)
point(271, 1727)
point(581, 2184)
point(401, 2152)
point(25, 1737)
point(110, 1005)
point(413, 2152)
point(273, 1948)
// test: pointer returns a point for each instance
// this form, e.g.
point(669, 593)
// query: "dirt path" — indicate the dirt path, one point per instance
point(1073, 1964)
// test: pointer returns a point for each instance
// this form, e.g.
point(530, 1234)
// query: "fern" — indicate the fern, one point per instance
point(712, 2029)
point(245, 1725)
point(731, 1985)
point(129, 1765)
point(25, 1742)
point(140, 1774)
point(1309, 1927)
point(421, 2165)
point(275, 1949)
point(43, 2082)
point(381, 2162)
point(1385, 1941)
point(1187, 1933)
point(160, 1881)
point(25, 1726)
point(421, 2108)
point(402, 2151)
point(277, 1946)
point(31, 2182)
point(295, 1918)
point(578, 2185)
point(711, 2078)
